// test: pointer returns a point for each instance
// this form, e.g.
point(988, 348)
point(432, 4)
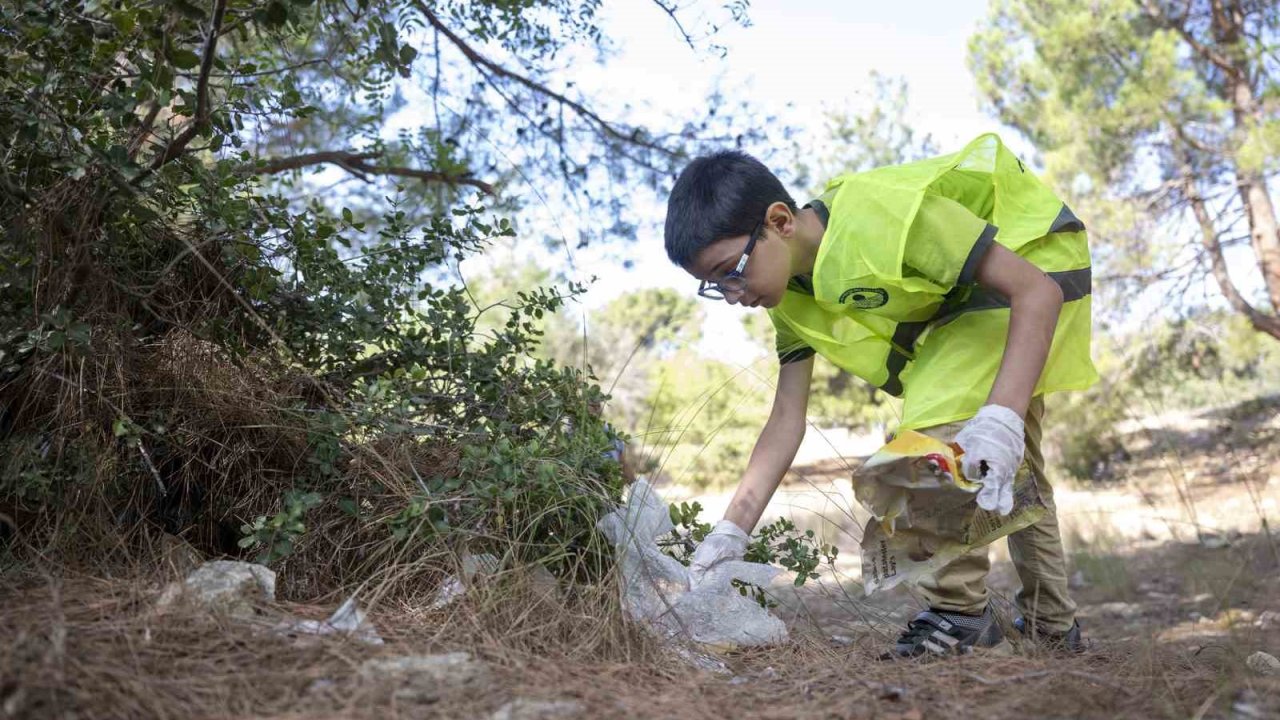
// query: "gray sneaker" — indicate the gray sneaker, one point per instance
point(1071, 641)
point(941, 633)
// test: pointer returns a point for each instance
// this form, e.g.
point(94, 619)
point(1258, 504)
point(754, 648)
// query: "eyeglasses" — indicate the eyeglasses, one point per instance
point(733, 281)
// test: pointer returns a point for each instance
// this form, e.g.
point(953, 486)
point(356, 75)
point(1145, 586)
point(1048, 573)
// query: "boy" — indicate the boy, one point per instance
point(960, 284)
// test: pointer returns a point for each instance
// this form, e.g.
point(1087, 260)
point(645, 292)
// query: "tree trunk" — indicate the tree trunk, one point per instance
point(1269, 324)
point(1264, 230)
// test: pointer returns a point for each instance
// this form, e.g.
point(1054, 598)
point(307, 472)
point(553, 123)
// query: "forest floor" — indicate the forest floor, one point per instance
point(1176, 575)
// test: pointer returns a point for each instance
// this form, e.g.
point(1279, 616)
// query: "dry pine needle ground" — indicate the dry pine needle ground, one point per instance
point(96, 647)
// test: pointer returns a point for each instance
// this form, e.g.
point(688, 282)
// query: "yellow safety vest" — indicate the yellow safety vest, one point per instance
point(893, 299)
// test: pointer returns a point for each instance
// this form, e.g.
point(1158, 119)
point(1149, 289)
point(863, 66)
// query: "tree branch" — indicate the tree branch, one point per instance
point(670, 9)
point(1179, 25)
point(1218, 264)
point(358, 164)
point(202, 90)
point(479, 60)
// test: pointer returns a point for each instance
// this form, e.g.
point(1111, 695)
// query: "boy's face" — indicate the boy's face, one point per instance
point(767, 270)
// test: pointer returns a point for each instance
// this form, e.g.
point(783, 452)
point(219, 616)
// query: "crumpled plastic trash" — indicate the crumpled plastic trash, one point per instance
point(910, 461)
point(454, 587)
point(917, 495)
point(655, 587)
point(348, 620)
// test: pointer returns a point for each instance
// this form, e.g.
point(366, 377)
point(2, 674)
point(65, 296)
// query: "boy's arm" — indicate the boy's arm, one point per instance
point(1034, 301)
point(776, 447)
point(994, 439)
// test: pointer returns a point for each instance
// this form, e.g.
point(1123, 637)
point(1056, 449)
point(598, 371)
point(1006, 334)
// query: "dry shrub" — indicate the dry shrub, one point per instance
point(227, 445)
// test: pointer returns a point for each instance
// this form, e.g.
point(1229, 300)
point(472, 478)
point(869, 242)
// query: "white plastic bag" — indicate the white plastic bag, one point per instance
point(655, 587)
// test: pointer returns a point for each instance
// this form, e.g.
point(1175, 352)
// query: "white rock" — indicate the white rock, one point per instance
point(1077, 580)
point(1263, 664)
point(424, 678)
point(522, 709)
point(1268, 618)
point(226, 586)
point(1126, 611)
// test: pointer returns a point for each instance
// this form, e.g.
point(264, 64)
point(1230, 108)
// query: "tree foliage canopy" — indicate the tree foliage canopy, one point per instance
point(1152, 109)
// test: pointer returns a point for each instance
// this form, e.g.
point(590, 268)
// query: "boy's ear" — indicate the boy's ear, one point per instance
point(779, 218)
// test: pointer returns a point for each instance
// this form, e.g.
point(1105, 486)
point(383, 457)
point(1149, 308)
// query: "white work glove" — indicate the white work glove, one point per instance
point(725, 542)
point(993, 443)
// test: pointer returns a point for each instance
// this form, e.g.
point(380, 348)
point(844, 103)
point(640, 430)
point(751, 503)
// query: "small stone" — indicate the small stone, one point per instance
point(768, 674)
point(1268, 619)
point(841, 640)
point(226, 586)
point(1202, 598)
point(1077, 580)
point(424, 678)
point(1263, 664)
point(1214, 541)
point(892, 693)
point(1126, 611)
point(522, 709)
point(739, 680)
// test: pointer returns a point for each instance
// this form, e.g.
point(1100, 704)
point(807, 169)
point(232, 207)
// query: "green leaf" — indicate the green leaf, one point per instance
point(184, 59)
point(276, 14)
point(124, 21)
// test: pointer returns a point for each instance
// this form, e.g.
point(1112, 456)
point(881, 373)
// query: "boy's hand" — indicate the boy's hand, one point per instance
point(993, 443)
point(726, 541)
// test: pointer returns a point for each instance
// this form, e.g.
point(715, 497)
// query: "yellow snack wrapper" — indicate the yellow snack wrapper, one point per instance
point(924, 514)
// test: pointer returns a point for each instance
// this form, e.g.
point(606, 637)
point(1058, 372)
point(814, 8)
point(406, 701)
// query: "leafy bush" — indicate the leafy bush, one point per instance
point(185, 347)
point(777, 543)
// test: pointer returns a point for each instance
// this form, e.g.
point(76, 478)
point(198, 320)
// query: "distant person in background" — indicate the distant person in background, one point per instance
point(960, 284)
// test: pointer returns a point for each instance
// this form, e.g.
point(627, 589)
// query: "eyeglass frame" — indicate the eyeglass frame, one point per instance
point(715, 289)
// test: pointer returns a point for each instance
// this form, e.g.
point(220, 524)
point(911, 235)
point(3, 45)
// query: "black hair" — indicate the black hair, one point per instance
point(718, 196)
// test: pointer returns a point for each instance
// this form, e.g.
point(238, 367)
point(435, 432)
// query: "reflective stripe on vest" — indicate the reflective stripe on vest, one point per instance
point(1075, 284)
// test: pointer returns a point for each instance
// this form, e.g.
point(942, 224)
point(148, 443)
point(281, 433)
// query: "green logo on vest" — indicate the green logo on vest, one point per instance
point(864, 298)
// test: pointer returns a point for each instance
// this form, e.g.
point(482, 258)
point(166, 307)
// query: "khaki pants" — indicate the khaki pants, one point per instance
point(1036, 552)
